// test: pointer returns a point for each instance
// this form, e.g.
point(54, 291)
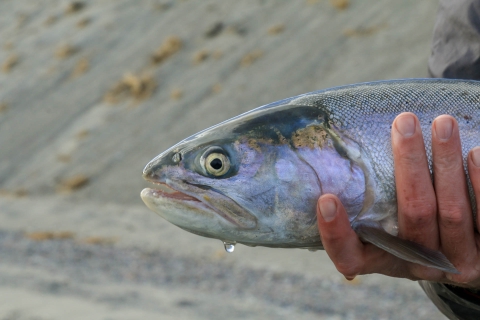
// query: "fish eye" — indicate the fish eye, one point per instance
point(215, 162)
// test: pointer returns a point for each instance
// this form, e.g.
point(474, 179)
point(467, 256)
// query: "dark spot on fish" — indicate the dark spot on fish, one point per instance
point(281, 124)
point(311, 136)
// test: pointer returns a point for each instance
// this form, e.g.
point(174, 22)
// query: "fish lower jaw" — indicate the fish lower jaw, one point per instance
point(163, 202)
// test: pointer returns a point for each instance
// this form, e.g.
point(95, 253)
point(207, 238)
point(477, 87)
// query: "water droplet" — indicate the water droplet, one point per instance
point(229, 246)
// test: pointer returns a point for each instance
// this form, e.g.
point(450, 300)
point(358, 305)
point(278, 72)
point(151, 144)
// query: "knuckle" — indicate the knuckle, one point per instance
point(452, 216)
point(410, 158)
point(447, 160)
point(419, 211)
point(331, 238)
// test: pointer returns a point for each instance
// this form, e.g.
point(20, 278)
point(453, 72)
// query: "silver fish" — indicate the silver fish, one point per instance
point(255, 179)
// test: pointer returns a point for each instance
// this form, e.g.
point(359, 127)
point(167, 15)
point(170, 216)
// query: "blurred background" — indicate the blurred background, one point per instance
point(90, 91)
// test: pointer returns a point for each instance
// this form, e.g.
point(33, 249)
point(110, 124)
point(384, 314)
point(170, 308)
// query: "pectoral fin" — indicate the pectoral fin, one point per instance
point(404, 249)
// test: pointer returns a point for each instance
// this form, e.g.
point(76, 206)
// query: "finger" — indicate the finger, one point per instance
point(417, 208)
point(455, 219)
point(473, 163)
point(415, 194)
point(350, 256)
point(474, 173)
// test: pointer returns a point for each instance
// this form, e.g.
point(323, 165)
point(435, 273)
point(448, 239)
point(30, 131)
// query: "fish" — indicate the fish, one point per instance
point(255, 179)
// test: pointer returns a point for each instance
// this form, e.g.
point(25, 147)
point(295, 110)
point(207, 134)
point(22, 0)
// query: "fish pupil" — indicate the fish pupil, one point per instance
point(216, 164)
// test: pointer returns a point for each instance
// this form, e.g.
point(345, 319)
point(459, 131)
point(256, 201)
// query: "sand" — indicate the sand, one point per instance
point(76, 242)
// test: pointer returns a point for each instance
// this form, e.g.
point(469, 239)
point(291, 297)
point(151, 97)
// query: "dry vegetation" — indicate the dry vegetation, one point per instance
point(64, 158)
point(10, 63)
point(138, 87)
point(176, 94)
point(276, 29)
point(362, 32)
point(251, 57)
point(65, 51)
point(72, 183)
point(3, 107)
point(82, 23)
point(49, 235)
point(16, 193)
point(99, 240)
point(200, 56)
point(217, 54)
point(8, 45)
point(50, 20)
point(167, 49)
point(82, 134)
point(340, 4)
point(81, 67)
point(217, 88)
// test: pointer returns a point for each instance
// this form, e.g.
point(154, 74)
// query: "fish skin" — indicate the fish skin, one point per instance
point(284, 155)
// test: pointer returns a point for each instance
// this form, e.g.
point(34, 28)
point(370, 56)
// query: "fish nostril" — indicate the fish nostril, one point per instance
point(149, 172)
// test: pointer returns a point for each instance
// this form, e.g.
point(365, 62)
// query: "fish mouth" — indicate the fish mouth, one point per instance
point(202, 197)
point(168, 193)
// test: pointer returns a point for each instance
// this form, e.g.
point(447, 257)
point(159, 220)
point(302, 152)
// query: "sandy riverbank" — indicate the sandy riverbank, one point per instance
point(90, 92)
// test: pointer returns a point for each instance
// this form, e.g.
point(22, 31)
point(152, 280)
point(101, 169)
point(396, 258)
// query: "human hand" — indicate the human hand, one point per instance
point(437, 216)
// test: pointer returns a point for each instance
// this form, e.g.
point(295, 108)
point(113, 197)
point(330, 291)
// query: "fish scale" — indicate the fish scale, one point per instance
point(427, 98)
point(273, 162)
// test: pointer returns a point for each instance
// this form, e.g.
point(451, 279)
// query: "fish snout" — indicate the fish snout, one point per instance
point(153, 171)
point(149, 172)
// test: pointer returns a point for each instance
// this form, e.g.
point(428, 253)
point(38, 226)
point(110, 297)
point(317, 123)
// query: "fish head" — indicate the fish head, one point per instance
point(237, 182)
point(197, 201)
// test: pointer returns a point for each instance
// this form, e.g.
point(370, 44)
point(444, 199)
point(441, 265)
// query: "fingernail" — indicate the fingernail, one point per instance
point(328, 209)
point(476, 156)
point(443, 128)
point(405, 125)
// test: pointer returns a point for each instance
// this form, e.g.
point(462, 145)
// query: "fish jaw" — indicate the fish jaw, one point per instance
point(191, 215)
point(186, 213)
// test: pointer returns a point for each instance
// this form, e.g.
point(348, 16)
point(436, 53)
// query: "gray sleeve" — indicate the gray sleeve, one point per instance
point(453, 302)
point(456, 40)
